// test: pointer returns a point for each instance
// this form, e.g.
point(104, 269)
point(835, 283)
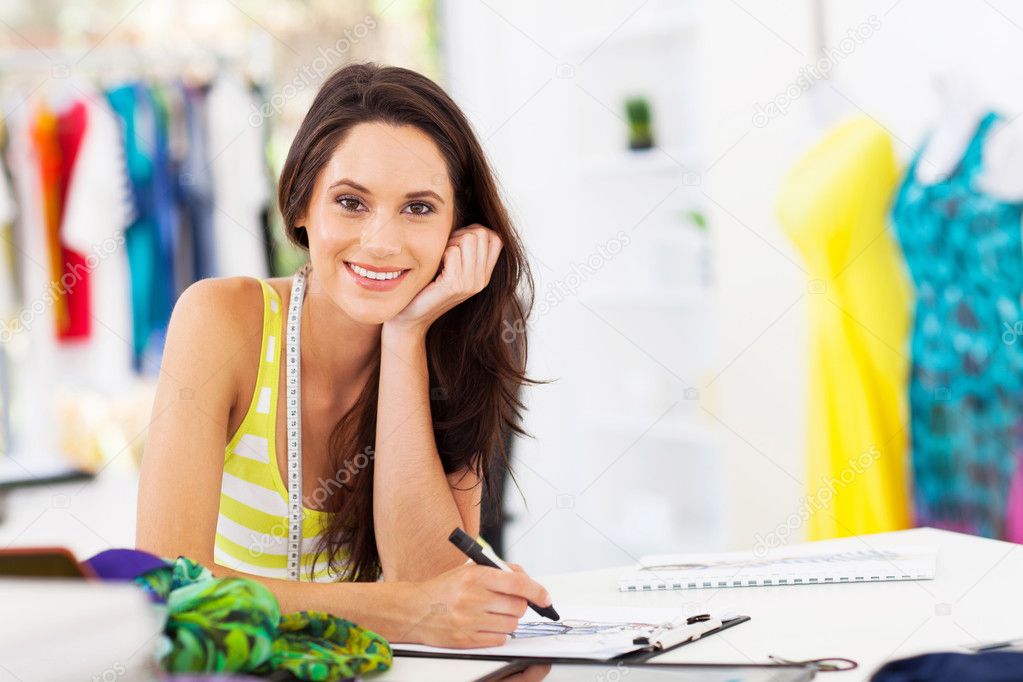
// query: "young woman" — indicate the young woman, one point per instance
point(381, 379)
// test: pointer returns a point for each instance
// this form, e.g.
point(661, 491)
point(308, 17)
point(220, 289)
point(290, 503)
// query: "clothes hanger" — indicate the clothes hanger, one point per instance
point(828, 106)
point(961, 108)
point(1002, 173)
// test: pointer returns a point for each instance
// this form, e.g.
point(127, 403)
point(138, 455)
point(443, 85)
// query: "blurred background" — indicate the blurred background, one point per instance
point(776, 247)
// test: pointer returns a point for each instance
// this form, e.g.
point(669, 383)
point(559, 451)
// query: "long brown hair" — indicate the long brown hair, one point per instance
point(476, 352)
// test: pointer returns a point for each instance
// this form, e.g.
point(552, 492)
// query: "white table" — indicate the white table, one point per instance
point(978, 590)
point(975, 597)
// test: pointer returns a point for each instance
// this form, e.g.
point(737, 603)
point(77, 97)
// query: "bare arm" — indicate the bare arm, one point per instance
point(415, 506)
point(183, 462)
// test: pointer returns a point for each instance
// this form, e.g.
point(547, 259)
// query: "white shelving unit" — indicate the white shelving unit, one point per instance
point(648, 313)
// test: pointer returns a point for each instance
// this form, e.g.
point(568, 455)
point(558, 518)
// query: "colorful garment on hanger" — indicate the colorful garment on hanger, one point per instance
point(833, 205)
point(964, 251)
point(164, 203)
point(235, 625)
point(47, 149)
point(149, 238)
point(196, 184)
point(9, 294)
point(97, 210)
point(74, 270)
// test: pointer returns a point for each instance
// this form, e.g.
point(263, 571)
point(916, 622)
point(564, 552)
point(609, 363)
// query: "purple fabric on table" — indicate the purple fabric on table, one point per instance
point(123, 564)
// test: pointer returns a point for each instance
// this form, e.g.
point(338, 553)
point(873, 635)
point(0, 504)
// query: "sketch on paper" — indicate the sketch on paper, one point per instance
point(548, 628)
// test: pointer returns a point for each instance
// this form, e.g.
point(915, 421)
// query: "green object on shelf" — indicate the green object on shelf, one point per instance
point(698, 219)
point(637, 111)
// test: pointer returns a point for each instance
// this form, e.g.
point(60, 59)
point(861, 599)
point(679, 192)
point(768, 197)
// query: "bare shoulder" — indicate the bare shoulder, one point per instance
point(220, 305)
point(215, 322)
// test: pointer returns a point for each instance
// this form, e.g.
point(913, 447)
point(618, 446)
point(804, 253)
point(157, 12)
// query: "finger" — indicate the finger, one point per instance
point(482, 253)
point(516, 567)
point(493, 252)
point(506, 605)
point(498, 623)
point(462, 231)
point(518, 585)
point(469, 247)
point(451, 263)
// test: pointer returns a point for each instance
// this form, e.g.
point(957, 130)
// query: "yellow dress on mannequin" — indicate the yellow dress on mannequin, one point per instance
point(834, 206)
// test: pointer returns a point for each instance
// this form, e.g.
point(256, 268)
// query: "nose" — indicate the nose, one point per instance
point(382, 238)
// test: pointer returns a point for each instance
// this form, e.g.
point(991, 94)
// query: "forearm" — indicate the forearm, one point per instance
point(413, 506)
point(389, 609)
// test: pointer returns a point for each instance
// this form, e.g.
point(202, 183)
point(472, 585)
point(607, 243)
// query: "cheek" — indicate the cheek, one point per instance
point(430, 250)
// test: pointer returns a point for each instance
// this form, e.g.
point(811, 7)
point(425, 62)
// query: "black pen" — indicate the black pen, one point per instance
point(474, 551)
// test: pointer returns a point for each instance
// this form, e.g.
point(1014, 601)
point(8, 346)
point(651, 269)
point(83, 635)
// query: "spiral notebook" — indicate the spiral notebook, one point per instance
point(788, 566)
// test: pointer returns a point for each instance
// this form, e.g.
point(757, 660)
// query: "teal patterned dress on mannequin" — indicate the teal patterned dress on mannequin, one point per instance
point(964, 253)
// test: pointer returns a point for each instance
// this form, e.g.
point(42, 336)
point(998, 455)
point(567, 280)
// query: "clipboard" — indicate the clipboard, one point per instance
point(642, 652)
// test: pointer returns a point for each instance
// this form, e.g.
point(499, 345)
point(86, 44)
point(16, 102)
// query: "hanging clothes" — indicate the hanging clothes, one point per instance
point(97, 210)
point(149, 245)
point(240, 178)
point(47, 148)
point(33, 371)
point(963, 248)
point(9, 294)
point(196, 183)
point(833, 205)
point(74, 271)
point(173, 99)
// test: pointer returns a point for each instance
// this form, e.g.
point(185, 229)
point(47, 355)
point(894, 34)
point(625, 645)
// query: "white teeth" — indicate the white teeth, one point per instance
point(375, 275)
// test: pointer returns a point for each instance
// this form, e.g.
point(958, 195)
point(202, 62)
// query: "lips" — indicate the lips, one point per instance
point(370, 282)
point(374, 272)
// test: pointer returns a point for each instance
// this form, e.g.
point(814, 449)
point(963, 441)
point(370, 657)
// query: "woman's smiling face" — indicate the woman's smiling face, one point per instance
point(383, 203)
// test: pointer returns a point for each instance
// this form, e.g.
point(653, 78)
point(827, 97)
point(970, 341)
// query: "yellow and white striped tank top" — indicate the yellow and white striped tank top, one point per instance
point(252, 527)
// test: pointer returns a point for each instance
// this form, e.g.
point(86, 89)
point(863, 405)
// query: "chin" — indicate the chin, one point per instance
point(373, 313)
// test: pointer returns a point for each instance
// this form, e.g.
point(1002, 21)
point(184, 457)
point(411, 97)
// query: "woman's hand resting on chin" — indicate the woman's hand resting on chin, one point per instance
point(467, 264)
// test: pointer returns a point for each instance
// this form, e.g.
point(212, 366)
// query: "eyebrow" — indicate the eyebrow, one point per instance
point(411, 195)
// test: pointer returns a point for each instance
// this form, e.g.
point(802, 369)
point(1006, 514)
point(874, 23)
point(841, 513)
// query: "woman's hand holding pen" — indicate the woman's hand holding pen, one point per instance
point(472, 606)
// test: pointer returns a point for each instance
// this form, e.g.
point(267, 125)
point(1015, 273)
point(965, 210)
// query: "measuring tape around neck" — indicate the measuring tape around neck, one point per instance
point(293, 378)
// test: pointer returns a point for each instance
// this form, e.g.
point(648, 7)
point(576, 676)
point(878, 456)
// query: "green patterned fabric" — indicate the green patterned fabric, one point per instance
point(312, 645)
point(235, 625)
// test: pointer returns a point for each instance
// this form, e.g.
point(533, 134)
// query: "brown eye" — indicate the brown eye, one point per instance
point(425, 208)
point(348, 203)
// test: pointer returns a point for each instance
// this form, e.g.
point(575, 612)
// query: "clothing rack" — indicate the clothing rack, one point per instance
point(255, 60)
point(44, 72)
